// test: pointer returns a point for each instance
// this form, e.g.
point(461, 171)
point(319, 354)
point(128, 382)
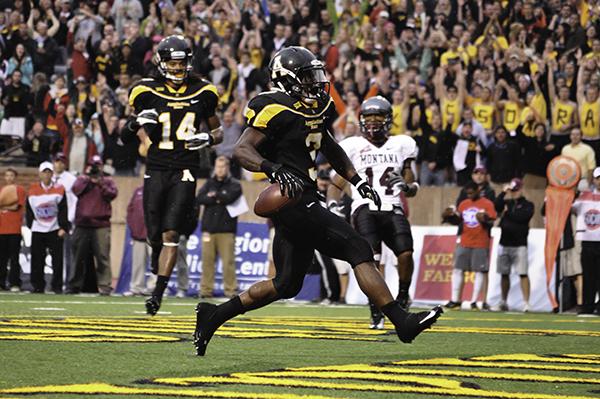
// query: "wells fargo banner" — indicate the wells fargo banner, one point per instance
point(435, 268)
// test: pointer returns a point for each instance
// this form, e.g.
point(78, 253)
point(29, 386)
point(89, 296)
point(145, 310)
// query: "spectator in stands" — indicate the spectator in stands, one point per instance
point(140, 249)
point(126, 10)
point(95, 192)
point(232, 123)
point(66, 179)
point(583, 154)
point(434, 159)
point(47, 217)
point(537, 154)
point(17, 101)
point(503, 157)
point(46, 51)
point(587, 209)
point(21, 61)
point(218, 228)
point(479, 176)
point(79, 148)
point(515, 212)
point(37, 144)
point(466, 152)
point(475, 216)
point(11, 220)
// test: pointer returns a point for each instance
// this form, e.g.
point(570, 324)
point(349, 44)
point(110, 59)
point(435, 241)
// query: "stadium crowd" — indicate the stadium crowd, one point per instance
point(504, 85)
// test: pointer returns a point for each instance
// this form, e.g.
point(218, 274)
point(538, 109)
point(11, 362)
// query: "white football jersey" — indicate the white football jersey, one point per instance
point(373, 164)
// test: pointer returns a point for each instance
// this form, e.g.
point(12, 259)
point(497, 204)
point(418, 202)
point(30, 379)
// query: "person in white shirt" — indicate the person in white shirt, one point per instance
point(66, 179)
point(587, 209)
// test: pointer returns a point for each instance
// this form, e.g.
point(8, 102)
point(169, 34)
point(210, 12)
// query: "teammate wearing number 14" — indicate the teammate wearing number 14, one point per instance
point(286, 128)
point(171, 109)
point(385, 162)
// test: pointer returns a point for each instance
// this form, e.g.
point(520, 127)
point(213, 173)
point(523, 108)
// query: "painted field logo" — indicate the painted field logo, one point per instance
point(522, 374)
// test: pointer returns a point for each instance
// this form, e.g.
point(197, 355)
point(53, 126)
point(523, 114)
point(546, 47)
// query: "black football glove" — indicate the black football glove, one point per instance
point(198, 141)
point(289, 184)
point(147, 117)
point(366, 191)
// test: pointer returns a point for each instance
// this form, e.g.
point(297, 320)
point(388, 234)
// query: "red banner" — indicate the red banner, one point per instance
point(434, 282)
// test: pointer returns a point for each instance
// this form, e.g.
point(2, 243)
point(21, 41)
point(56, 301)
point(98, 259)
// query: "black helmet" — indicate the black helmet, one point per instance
point(297, 71)
point(174, 47)
point(377, 129)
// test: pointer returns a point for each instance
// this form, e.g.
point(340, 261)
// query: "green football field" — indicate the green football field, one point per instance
point(106, 347)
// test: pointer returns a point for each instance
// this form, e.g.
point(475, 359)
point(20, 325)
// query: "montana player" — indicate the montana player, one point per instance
point(385, 162)
point(286, 128)
point(171, 108)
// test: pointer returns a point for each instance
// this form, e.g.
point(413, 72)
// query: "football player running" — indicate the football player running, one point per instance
point(385, 163)
point(172, 108)
point(286, 128)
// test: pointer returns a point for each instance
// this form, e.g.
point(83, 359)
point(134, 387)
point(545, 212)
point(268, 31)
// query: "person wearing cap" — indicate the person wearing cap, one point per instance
point(587, 209)
point(475, 216)
point(78, 148)
point(91, 237)
point(66, 179)
point(47, 217)
point(515, 212)
point(11, 219)
point(479, 176)
point(466, 156)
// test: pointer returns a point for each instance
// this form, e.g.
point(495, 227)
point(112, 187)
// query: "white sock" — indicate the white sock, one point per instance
point(477, 285)
point(457, 280)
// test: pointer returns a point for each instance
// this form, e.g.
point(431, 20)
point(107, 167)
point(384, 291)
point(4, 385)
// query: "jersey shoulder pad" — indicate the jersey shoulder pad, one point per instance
point(351, 143)
point(141, 89)
point(263, 108)
point(406, 145)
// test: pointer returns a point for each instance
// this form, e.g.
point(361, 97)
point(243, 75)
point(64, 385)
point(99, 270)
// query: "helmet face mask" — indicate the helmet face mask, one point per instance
point(296, 71)
point(174, 58)
point(375, 119)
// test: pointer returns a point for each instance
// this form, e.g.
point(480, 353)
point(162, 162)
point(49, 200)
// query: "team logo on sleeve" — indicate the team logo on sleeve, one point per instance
point(469, 217)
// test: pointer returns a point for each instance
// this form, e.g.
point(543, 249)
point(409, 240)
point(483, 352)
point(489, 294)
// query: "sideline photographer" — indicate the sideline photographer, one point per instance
point(92, 226)
point(515, 212)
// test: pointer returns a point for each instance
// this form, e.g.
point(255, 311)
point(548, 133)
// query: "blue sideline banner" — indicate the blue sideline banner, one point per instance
point(251, 262)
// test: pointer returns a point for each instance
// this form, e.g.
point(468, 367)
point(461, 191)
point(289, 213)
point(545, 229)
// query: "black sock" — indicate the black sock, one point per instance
point(394, 312)
point(373, 308)
point(227, 311)
point(404, 285)
point(161, 285)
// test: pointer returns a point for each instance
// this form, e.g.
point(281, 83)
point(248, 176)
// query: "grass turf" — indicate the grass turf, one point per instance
point(43, 342)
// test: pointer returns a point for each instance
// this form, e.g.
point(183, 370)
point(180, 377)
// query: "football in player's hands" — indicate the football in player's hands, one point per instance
point(147, 116)
point(270, 201)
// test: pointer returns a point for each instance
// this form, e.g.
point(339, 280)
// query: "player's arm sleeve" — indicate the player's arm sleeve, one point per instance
point(210, 101)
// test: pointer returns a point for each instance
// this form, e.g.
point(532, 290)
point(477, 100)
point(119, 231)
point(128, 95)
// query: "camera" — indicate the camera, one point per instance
point(94, 170)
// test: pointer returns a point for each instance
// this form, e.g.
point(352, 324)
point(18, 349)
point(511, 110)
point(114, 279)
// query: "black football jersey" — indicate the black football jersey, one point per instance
point(294, 129)
point(180, 113)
